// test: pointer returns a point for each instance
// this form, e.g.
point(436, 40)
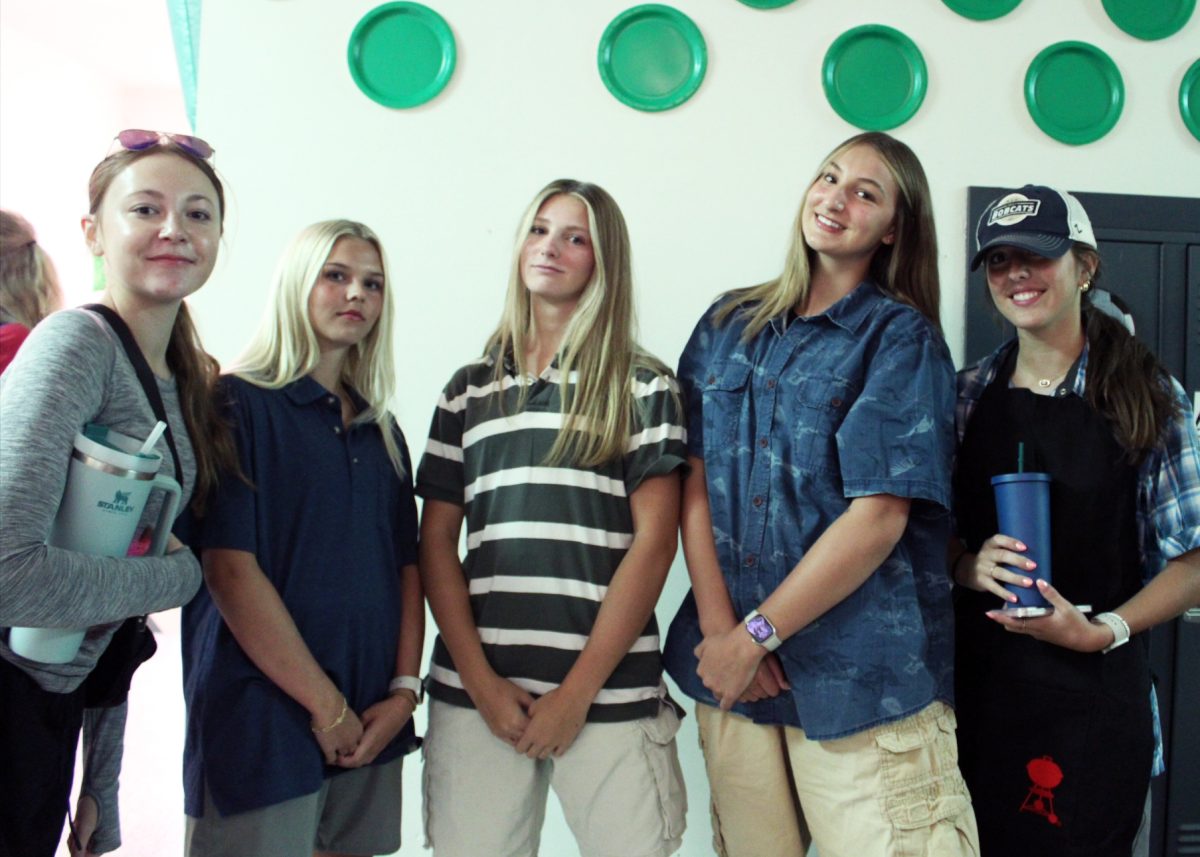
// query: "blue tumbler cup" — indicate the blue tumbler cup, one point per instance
point(1023, 512)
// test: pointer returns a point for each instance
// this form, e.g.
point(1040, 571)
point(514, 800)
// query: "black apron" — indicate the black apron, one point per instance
point(1056, 746)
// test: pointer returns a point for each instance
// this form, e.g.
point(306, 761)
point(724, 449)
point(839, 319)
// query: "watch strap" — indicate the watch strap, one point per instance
point(1120, 629)
point(408, 682)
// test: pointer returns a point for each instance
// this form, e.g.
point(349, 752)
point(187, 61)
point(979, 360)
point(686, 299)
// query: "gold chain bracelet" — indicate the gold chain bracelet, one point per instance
point(335, 724)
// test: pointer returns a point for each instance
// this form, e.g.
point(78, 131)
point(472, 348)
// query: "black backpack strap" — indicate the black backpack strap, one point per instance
point(145, 375)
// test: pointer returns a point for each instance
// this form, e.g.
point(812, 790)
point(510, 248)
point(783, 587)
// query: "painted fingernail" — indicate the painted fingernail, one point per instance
point(1027, 582)
point(1021, 546)
point(1030, 565)
point(1042, 584)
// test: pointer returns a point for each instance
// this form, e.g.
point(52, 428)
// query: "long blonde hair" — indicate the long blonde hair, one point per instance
point(29, 289)
point(285, 347)
point(598, 343)
point(906, 269)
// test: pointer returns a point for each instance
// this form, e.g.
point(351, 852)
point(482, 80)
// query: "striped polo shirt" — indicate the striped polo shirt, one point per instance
point(543, 542)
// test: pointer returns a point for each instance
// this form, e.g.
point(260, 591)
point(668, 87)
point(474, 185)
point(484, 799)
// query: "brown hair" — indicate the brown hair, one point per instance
point(907, 269)
point(196, 371)
point(29, 288)
point(1125, 380)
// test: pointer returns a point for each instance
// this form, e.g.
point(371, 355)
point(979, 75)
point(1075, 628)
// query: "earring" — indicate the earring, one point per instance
point(1086, 285)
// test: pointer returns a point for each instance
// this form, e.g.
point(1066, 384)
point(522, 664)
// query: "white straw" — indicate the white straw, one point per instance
point(155, 434)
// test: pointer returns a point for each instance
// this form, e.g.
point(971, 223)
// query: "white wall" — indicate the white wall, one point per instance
point(709, 189)
point(72, 75)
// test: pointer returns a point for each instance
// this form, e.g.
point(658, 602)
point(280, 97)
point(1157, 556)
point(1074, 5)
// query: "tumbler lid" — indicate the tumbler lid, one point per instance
point(120, 450)
point(1004, 478)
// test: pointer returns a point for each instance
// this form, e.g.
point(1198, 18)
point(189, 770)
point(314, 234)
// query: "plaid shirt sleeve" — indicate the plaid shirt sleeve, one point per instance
point(1169, 513)
point(971, 384)
point(1169, 492)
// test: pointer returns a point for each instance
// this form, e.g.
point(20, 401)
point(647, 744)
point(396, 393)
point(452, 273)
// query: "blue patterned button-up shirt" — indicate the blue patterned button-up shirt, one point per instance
point(792, 426)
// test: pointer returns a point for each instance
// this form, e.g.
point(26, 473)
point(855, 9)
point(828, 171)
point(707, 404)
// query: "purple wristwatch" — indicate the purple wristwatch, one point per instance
point(762, 631)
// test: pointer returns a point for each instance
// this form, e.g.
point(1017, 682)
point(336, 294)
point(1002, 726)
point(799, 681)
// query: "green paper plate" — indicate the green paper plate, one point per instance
point(1189, 99)
point(1150, 19)
point(652, 57)
point(982, 10)
point(874, 77)
point(1074, 92)
point(768, 4)
point(401, 54)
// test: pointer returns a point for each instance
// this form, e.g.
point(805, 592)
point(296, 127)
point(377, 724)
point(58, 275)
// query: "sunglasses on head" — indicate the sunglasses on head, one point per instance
point(137, 139)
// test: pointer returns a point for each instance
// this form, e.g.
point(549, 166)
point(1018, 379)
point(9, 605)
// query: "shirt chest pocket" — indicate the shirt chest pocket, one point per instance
point(727, 406)
point(812, 413)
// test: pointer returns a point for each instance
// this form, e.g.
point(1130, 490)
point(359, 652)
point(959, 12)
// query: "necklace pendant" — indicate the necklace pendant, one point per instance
point(1044, 383)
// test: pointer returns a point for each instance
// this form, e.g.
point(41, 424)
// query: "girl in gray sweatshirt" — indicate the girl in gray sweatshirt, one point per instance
point(155, 217)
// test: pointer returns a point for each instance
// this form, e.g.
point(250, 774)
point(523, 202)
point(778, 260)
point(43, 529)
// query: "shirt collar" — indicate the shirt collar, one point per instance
point(985, 373)
point(306, 391)
point(510, 363)
point(1078, 384)
point(849, 312)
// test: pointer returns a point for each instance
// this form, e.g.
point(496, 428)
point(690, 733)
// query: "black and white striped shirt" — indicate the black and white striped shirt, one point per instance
point(543, 542)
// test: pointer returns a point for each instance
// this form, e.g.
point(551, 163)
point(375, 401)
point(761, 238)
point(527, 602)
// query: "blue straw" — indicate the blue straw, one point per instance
point(1020, 457)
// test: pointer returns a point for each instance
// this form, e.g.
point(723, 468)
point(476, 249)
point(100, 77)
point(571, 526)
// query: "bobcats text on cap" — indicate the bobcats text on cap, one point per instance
point(1014, 209)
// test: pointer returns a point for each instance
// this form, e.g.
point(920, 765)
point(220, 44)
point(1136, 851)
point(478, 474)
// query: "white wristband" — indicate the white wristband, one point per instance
point(408, 682)
point(1119, 627)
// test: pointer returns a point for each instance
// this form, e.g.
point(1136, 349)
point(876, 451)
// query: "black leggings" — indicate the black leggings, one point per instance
point(39, 732)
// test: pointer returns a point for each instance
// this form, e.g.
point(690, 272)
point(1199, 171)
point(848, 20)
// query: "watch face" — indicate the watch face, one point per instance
point(760, 629)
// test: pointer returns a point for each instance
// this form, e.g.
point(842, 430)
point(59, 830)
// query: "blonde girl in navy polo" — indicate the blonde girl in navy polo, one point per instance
point(300, 669)
point(561, 450)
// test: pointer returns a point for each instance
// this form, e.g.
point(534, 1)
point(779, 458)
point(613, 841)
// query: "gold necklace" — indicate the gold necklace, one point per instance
point(1046, 383)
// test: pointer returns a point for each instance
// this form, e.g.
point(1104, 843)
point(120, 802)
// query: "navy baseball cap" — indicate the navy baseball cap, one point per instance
point(1036, 218)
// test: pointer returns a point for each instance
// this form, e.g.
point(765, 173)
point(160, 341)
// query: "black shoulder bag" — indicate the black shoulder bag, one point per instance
point(133, 643)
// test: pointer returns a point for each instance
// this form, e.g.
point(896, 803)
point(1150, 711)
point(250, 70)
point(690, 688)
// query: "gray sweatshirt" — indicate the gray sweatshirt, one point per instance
point(73, 370)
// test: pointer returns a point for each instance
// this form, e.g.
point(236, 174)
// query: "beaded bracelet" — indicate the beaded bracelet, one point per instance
point(336, 723)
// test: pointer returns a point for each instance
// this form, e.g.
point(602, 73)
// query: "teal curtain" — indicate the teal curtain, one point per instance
point(185, 31)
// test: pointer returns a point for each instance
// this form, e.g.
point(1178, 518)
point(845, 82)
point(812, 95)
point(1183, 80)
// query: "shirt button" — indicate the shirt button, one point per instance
point(355, 461)
point(758, 501)
point(771, 384)
point(762, 441)
point(337, 429)
point(332, 400)
point(712, 379)
point(836, 402)
point(750, 560)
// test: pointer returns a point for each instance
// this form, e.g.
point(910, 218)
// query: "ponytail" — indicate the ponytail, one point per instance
point(196, 372)
point(1127, 383)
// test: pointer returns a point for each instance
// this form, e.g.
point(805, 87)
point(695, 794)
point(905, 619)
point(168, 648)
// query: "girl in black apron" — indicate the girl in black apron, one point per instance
point(1056, 733)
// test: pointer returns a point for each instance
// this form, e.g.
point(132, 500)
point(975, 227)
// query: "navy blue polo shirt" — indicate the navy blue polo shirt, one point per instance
point(331, 525)
point(792, 425)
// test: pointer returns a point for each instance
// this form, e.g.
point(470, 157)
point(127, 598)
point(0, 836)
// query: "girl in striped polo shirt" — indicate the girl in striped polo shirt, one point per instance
point(561, 448)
